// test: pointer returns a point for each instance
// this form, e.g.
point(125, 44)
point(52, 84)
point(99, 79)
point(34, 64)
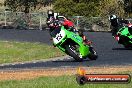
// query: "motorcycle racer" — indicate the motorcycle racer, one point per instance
point(117, 23)
point(56, 20)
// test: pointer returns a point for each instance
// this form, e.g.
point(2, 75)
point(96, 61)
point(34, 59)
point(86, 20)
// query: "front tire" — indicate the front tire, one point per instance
point(73, 53)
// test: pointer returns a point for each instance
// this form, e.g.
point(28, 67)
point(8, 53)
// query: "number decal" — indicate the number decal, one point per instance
point(59, 37)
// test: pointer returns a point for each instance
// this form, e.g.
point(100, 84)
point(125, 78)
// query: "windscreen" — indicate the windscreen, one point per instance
point(55, 31)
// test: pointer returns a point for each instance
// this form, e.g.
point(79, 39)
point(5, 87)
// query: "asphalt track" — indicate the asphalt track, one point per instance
point(109, 51)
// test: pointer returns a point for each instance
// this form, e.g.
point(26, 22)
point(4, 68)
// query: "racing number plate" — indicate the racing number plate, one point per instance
point(59, 37)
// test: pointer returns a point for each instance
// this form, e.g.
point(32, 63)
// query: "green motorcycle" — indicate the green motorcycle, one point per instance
point(72, 44)
point(124, 36)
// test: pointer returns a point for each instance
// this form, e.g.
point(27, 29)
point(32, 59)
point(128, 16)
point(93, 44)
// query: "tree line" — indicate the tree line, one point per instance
point(88, 8)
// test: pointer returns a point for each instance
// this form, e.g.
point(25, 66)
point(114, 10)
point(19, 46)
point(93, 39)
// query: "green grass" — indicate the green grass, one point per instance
point(24, 51)
point(56, 82)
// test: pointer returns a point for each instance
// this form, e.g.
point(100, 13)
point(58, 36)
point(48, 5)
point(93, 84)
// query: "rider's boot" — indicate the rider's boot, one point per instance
point(88, 42)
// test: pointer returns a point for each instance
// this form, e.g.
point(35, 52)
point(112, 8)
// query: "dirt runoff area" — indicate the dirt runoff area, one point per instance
point(35, 73)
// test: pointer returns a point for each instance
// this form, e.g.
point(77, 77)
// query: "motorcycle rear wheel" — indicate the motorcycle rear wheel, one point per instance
point(93, 55)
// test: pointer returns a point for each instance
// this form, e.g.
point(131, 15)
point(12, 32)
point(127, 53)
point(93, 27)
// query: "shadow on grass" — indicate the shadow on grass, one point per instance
point(70, 62)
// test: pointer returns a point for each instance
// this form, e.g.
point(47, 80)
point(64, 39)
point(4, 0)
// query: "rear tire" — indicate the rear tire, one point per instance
point(93, 55)
point(72, 52)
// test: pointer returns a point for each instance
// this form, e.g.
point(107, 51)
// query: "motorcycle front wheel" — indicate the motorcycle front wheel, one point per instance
point(71, 50)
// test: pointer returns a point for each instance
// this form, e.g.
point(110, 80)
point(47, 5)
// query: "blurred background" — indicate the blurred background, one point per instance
point(89, 15)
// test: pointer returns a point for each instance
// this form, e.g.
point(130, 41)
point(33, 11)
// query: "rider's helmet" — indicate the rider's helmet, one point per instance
point(112, 17)
point(50, 13)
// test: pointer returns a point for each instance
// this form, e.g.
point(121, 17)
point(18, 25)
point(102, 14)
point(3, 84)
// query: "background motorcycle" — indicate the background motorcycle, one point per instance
point(124, 37)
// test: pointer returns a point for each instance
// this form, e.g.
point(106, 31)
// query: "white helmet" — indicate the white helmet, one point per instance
point(111, 17)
